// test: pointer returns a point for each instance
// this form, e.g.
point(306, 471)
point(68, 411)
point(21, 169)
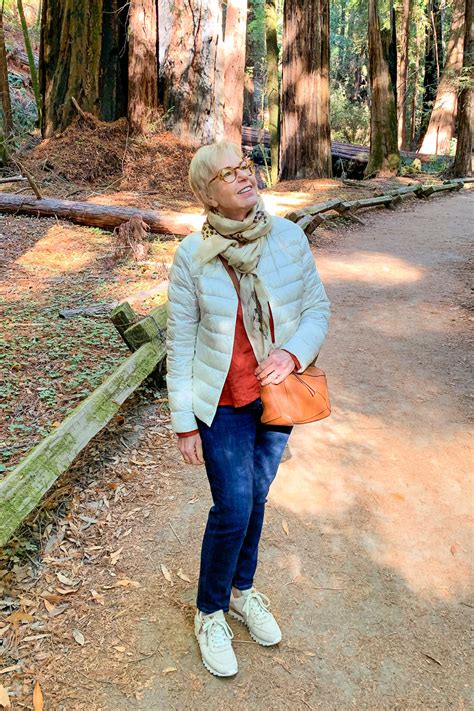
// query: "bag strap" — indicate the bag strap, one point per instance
point(232, 275)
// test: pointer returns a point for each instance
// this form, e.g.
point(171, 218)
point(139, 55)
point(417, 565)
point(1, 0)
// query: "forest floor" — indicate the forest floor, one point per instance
point(366, 549)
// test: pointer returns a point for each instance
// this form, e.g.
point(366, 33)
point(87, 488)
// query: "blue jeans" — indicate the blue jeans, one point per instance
point(242, 457)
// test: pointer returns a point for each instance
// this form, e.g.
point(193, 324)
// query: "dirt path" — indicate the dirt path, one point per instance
point(371, 583)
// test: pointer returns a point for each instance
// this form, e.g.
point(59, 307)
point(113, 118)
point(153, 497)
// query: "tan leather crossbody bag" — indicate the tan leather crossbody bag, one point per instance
point(300, 398)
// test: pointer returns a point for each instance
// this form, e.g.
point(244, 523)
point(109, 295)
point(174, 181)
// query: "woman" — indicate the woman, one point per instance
point(246, 308)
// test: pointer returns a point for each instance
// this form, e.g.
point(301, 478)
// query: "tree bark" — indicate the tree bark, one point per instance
point(234, 41)
point(73, 60)
point(87, 213)
point(462, 167)
point(5, 87)
point(273, 88)
point(442, 121)
point(142, 63)
point(193, 71)
point(31, 60)
point(403, 73)
point(113, 77)
point(384, 157)
point(414, 95)
point(305, 150)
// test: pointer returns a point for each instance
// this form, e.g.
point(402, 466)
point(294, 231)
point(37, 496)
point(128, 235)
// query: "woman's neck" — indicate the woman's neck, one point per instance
point(238, 216)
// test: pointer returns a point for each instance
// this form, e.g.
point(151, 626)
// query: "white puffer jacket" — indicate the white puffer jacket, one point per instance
point(202, 311)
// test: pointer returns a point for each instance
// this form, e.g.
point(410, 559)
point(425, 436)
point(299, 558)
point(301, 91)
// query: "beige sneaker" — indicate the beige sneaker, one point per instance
point(251, 608)
point(215, 640)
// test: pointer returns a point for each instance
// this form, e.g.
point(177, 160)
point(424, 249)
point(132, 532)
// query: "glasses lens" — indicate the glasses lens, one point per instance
point(228, 175)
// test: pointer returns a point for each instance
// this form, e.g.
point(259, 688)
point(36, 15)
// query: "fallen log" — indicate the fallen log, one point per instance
point(105, 216)
point(252, 136)
point(22, 489)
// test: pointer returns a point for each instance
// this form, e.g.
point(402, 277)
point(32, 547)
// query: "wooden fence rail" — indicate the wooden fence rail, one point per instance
point(23, 488)
point(309, 218)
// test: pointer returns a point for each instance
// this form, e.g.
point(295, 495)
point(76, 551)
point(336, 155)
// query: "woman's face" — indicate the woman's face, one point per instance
point(233, 200)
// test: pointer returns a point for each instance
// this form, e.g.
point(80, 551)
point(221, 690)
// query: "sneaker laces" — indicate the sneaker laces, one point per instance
point(256, 603)
point(217, 630)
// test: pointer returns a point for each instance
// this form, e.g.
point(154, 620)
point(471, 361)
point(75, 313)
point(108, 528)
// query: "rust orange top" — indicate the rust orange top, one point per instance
point(242, 385)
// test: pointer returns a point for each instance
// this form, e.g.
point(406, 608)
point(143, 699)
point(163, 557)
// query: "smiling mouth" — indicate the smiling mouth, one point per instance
point(247, 189)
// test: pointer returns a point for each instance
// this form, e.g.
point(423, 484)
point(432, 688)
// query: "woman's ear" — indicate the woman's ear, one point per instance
point(210, 200)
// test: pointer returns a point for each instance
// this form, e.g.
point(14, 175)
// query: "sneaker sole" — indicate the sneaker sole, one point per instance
point(210, 669)
point(262, 642)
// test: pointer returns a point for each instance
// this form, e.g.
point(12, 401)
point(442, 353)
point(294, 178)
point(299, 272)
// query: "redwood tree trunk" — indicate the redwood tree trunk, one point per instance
point(71, 60)
point(463, 161)
point(273, 88)
point(443, 117)
point(113, 60)
point(402, 74)
point(5, 101)
point(4, 85)
point(142, 63)
point(384, 157)
point(414, 96)
point(193, 71)
point(305, 150)
point(234, 42)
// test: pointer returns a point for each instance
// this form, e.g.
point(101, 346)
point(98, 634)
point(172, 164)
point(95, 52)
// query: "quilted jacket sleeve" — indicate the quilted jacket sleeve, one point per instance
point(311, 333)
point(183, 320)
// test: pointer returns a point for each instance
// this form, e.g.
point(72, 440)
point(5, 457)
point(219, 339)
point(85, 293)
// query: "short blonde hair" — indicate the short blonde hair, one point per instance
point(203, 167)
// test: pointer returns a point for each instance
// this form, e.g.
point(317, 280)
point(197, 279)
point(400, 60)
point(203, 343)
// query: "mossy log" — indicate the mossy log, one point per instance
point(317, 209)
point(105, 216)
point(22, 489)
point(455, 185)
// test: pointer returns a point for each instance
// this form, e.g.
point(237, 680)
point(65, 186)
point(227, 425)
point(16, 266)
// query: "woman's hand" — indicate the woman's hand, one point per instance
point(191, 449)
point(275, 368)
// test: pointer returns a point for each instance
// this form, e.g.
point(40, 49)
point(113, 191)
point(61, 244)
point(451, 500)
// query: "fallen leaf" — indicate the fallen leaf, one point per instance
point(123, 583)
point(284, 526)
point(4, 699)
point(97, 597)
point(37, 697)
point(184, 577)
point(66, 581)
point(168, 670)
point(20, 617)
point(49, 605)
point(119, 649)
point(58, 610)
point(115, 556)
point(166, 573)
point(52, 597)
point(63, 591)
point(79, 637)
point(454, 548)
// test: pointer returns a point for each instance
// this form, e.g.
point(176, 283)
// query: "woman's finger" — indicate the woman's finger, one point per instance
point(199, 452)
